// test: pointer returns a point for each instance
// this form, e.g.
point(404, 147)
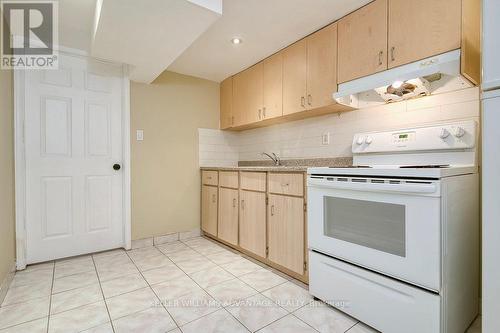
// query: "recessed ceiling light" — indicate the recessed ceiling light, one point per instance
point(236, 40)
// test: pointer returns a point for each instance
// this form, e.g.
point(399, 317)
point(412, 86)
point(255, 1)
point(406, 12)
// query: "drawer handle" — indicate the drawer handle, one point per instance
point(234, 202)
point(209, 177)
point(380, 54)
point(242, 204)
point(264, 112)
point(214, 198)
point(260, 114)
point(393, 50)
point(309, 99)
point(285, 184)
point(303, 101)
point(272, 210)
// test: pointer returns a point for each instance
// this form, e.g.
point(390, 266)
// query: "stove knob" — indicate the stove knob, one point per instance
point(458, 132)
point(444, 133)
point(360, 141)
point(368, 140)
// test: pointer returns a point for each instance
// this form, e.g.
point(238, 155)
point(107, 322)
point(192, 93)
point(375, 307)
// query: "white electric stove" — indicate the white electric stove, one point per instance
point(396, 236)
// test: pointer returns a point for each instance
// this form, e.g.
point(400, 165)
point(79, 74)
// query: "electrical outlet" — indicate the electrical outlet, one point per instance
point(325, 139)
point(140, 135)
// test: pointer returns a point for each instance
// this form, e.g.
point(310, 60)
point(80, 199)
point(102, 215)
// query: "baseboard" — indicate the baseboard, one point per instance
point(6, 282)
point(167, 238)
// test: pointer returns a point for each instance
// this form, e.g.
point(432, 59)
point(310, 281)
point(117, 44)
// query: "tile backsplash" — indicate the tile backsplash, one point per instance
point(303, 138)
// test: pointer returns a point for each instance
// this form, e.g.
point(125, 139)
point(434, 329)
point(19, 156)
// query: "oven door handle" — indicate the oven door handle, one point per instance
point(374, 187)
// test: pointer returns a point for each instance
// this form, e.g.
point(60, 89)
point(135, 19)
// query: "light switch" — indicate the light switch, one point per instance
point(140, 135)
point(325, 139)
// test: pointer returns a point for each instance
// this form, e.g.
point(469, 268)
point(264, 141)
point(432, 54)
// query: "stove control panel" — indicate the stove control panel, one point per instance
point(453, 136)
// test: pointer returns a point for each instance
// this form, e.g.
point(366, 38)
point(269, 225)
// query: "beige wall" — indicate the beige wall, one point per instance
point(7, 236)
point(165, 172)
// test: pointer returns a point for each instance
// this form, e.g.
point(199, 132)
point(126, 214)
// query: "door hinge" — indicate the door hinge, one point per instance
point(305, 206)
point(267, 250)
point(305, 266)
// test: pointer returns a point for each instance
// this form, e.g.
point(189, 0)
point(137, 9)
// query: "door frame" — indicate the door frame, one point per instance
point(20, 155)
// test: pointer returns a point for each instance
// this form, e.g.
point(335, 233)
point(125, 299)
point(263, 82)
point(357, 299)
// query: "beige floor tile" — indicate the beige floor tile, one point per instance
point(185, 255)
point(23, 278)
point(35, 326)
point(27, 292)
point(195, 265)
point(107, 253)
point(83, 259)
point(288, 324)
point(231, 291)
point(103, 328)
point(209, 249)
point(153, 320)
point(75, 281)
point(211, 277)
point(73, 267)
point(20, 313)
point(153, 262)
point(219, 321)
point(79, 319)
point(117, 259)
point(256, 312)
point(172, 247)
point(241, 267)
point(324, 318)
point(75, 298)
point(262, 279)
point(362, 328)
point(222, 258)
point(162, 274)
point(116, 271)
point(174, 288)
point(192, 306)
point(143, 252)
point(135, 301)
point(35, 267)
point(289, 296)
point(123, 285)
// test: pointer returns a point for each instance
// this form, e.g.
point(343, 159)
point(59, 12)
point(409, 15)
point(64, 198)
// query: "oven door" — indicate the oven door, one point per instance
point(388, 226)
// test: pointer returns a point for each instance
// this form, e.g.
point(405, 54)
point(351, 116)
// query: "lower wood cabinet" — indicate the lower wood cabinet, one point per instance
point(286, 232)
point(228, 215)
point(253, 222)
point(209, 207)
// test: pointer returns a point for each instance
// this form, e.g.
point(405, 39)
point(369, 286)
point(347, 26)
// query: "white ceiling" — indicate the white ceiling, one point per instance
point(265, 26)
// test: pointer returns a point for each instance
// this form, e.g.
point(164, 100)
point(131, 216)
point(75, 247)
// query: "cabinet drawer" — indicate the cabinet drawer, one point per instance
point(228, 179)
point(286, 183)
point(210, 178)
point(253, 181)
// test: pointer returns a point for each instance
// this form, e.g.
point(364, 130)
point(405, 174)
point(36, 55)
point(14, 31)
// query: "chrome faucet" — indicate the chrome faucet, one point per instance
point(274, 157)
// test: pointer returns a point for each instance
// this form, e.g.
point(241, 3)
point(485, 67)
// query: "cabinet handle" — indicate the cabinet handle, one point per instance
point(260, 114)
point(309, 99)
point(303, 101)
point(213, 198)
point(393, 50)
point(285, 184)
point(232, 120)
point(234, 202)
point(242, 204)
point(380, 54)
point(264, 112)
point(272, 210)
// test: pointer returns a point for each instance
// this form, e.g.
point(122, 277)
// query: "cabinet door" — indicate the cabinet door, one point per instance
point(273, 86)
point(226, 103)
point(248, 95)
point(228, 215)
point(209, 209)
point(363, 41)
point(420, 29)
point(322, 67)
point(294, 77)
point(253, 222)
point(286, 232)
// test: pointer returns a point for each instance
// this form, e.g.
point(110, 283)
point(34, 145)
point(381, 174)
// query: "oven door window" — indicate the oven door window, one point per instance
point(377, 225)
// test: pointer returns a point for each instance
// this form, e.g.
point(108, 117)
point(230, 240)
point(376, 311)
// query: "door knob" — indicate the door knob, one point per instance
point(117, 167)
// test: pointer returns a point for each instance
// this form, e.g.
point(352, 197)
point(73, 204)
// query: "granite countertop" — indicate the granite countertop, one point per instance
point(298, 165)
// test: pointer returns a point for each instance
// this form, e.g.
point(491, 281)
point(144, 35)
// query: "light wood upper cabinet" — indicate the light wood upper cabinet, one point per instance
point(209, 209)
point(362, 41)
point(253, 222)
point(286, 232)
point(228, 215)
point(321, 67)
point(420, 29)
point(226, 103)
point(295, 77)
point(248, 95)
point(273, 86)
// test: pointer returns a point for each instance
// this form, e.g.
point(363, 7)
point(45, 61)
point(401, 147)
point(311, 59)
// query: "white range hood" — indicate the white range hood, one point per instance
point(433, 75)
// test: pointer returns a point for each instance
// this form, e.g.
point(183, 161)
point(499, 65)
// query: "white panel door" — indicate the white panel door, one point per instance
point(73, 139)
